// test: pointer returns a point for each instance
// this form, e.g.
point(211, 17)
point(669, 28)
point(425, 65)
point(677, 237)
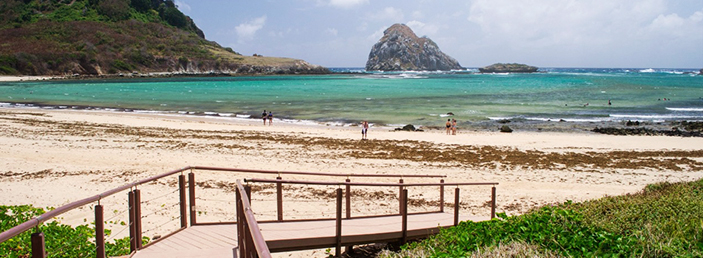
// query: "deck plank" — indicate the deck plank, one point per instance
point(220, 240)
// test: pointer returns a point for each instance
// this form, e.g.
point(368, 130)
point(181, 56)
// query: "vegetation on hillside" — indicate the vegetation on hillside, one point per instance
point(95, 37)
point(664, 220)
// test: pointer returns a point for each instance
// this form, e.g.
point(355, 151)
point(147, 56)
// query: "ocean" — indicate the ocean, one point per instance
point(559, 99)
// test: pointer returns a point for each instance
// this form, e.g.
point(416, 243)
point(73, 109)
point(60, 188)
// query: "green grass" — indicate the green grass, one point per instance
point(663, 220)
point(61, 240)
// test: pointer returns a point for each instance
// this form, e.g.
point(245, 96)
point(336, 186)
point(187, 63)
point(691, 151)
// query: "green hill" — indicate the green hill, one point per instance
point(98, 37)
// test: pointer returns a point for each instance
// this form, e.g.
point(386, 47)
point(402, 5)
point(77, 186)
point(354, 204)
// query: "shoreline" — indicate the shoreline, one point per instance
point(490, 125)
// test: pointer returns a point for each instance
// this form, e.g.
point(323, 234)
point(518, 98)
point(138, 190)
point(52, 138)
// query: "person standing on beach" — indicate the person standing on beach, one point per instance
point(270, 116)
point(453, 126)
point(264, 116)
point(364, 129)
point(449, 126)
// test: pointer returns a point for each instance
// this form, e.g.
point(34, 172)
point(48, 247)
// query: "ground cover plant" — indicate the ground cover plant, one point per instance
point(61, 240)
point(663, 220)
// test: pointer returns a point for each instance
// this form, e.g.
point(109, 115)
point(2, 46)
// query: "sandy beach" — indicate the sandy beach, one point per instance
point(53, 157)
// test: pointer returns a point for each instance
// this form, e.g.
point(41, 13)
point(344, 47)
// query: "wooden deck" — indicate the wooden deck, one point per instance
point(221, 240)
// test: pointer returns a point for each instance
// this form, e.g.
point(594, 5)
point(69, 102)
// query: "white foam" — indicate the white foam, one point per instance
point(242, 116)
point(652, 117)
point(500, 117)
point(576, 120)
point(648, 70)
point(686, 109)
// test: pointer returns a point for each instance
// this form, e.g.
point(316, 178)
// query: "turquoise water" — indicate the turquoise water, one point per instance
point(391, 98)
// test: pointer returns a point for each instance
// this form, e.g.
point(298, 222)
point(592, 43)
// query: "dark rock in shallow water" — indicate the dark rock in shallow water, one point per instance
point(410, 128)
point(508, 68)
point(701, 73)
point(401, 50)
point(630, 123)
point(505, 129)
point(646, 131)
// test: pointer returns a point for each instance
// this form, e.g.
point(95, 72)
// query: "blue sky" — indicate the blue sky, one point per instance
point(544, 33)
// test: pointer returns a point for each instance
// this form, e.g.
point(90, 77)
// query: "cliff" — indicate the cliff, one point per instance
point(91, 37)
point(401, 50)
point(508, 68)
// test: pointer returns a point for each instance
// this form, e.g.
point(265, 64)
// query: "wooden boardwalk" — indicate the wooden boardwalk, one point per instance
point(221, 240)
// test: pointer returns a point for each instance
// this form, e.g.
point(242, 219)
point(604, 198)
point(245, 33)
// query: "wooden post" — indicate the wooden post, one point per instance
point(182, 194)
point(347, 202)
point(338, 246)
point(138, 217)
point(99, 232)
point(279, 198)
point(456, 206)
point(400, 197)
point(38, 245)
point(404, 212)
point(240, 224)
point(132, 224)
point(493, 202)
point(348, 199)
point(247, 189)
point(191, 188)
point(441, 196)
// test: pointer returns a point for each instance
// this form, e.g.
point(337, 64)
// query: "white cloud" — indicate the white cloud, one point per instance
point(345, 4)
point(246, 31)
point(182, 6)
point(422, 29)
point(376, 35)
point(559, 22)
point(331, 31)
point(387, 14)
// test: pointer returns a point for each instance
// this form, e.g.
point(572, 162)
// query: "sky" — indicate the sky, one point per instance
point(477, 33)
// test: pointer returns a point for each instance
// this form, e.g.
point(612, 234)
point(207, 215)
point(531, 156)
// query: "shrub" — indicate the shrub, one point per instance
point(58, 236)
point(115, 10)
point(141, 5)
point(122, 66)
point(664, 220)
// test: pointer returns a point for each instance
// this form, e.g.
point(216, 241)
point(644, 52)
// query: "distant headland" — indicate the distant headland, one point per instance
point(87, 38)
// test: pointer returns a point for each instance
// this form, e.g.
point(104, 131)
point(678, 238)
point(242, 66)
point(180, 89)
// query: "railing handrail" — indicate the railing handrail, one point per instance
point(302, 182)
point(35, 222)
point(10, 233)
point(257, 238)
point(311, 173)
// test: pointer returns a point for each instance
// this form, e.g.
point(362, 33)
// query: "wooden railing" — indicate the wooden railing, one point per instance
point(187, 207)
point(403, 200)
point(251, 242)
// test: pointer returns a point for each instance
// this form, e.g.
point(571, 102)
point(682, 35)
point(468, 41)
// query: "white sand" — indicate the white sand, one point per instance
point(6, 78)
point(64, 155)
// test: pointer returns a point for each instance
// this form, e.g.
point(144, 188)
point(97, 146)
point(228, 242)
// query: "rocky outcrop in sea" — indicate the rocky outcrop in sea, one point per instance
point(401, 50)
point(508, 68)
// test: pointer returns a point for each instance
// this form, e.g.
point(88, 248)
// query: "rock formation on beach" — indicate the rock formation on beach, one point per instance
point(401, 50)
point(508, 68)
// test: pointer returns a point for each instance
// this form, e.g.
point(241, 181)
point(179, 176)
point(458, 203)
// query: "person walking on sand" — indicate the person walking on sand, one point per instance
point(270, 116)
point(453, 126)
point(364, 129)
point(264, 116)
point(449, 126)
